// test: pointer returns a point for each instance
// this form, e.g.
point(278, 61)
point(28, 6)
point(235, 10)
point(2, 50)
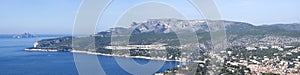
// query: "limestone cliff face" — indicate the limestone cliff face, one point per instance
point(170, 25)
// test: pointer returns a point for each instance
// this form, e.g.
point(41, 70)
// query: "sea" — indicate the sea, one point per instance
point(14, 60)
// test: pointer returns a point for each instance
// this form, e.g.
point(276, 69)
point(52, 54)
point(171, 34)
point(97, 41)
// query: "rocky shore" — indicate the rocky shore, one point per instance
point(95, 53)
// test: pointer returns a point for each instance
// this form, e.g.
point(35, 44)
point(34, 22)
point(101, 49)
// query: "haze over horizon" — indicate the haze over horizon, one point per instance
point(57, 16)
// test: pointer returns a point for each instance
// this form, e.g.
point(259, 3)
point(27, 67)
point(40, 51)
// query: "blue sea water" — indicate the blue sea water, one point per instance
point(15, 61)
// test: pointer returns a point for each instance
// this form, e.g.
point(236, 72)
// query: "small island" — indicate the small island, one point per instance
point(24, 35)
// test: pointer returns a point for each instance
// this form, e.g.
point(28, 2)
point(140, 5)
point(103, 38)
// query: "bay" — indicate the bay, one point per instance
point(15, 61)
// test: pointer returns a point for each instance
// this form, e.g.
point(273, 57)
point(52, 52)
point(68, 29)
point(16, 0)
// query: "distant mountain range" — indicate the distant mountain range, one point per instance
point(166, 26)
point(155, 31)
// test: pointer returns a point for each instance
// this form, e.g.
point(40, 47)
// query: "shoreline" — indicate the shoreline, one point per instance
point(42, 50)
point(103, 54)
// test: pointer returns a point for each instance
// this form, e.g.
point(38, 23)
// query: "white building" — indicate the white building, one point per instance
point(250, 48)
point(35, 44)
point(263, 47)
point(277, 47)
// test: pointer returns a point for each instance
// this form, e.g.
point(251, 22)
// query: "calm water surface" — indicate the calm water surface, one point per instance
point(15, 61)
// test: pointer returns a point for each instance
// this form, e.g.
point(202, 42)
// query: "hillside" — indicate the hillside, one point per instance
point(161, 31)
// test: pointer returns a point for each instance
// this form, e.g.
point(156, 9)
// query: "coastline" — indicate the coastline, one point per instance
point(96, 53)
point(42, 50)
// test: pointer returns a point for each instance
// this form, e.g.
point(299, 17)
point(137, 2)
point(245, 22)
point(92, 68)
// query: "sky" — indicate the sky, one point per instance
point(57, 16)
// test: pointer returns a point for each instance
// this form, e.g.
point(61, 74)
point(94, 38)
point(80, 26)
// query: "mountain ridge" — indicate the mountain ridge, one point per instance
point(166, 26)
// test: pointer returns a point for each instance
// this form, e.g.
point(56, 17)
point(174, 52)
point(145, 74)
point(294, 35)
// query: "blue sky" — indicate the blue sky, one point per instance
point(57, 16)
